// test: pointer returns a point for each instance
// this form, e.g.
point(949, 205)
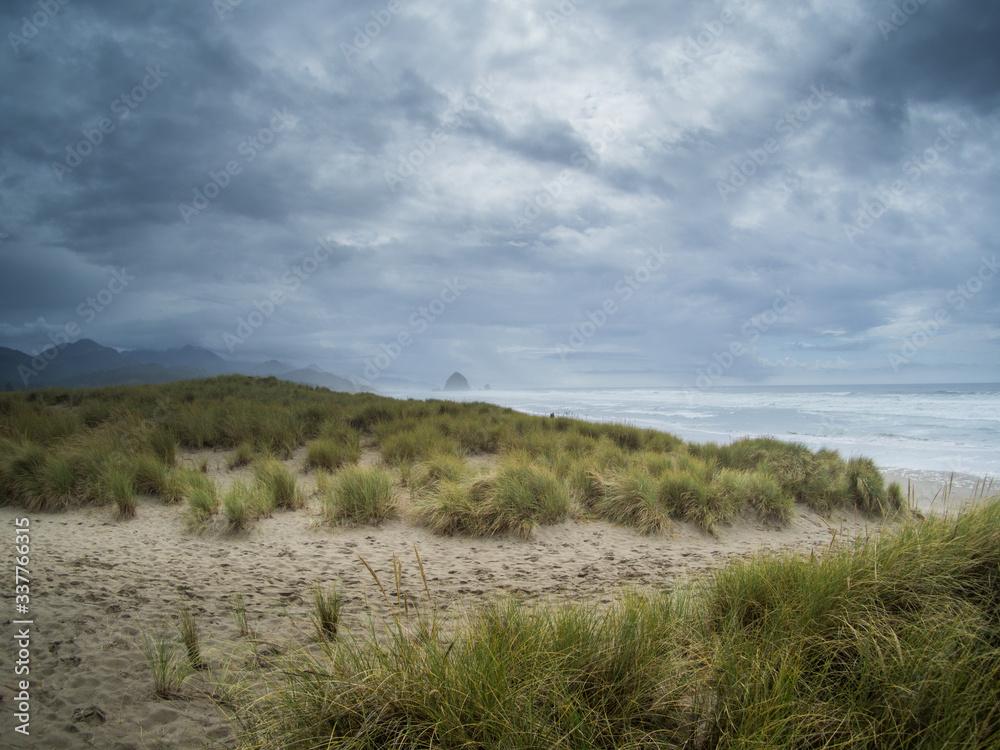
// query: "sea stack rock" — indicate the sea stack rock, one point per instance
point(457, 382)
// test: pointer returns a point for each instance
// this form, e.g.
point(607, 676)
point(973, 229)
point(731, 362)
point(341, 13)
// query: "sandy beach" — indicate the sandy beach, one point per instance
point(97, 581)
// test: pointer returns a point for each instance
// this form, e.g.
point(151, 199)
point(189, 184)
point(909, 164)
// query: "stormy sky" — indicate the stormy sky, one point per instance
point(533, 192)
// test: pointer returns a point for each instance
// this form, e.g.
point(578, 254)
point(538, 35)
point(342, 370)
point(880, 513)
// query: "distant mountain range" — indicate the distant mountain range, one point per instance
point(87, 364)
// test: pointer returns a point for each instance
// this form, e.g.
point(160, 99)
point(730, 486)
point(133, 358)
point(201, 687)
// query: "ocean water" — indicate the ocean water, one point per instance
point(940, 428)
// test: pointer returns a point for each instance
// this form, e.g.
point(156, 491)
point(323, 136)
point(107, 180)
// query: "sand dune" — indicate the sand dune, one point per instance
point(96, 581)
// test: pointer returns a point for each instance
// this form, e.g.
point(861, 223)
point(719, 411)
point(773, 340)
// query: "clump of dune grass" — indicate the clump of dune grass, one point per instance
point(405, 446)
point(22, 464)
point(516, 676)
point(202, 500)
point(331, 454)
point(122, 490)
point(825, 486)
point(242, 456)
point(430, 473)
point(189, 637)
point(894, 495)
point(326, 611)
point(163, 445)
point(170, 669)
point(357, 495)
point(149, 474)
point(181, 482)
point(278, 484)
point(58, 479)
point(891, 643)
point(513, 499)
point(243, 503)
point(686, 496)
point(757, 490)
point(867, 488)
point(239, 608)
point(630, 498)
point(586, 485)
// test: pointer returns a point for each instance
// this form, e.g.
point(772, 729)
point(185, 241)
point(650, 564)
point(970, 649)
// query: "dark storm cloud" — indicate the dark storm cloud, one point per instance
point(934, 52)
point(534, 154)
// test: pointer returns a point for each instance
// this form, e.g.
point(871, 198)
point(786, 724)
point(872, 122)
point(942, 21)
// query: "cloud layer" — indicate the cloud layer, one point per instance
point(534, 193)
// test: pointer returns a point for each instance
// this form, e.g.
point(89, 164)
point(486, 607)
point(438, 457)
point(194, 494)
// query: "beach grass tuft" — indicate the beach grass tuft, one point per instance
point(189, 637)
point(239, 608)
point(278, 485)
point(867, 487)
point(170, 669)
point(202, 500)
point(630, 498)
point(429, 474)
point(244, 503)
point(358, 495)
point(513, 499)
point(149, 474)
point(242, 456)
point(326, 611)
point(330, 453)
point(121, 487)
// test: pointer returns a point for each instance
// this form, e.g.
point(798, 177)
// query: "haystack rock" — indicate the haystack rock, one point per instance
point(457, 382)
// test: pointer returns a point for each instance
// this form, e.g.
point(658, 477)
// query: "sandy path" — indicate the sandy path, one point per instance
point(96, 580)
